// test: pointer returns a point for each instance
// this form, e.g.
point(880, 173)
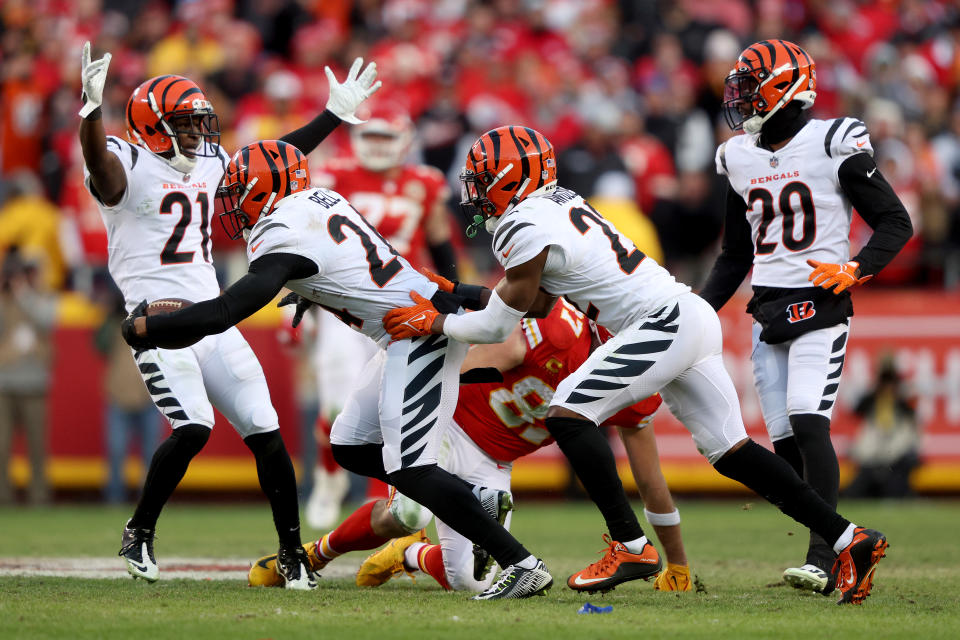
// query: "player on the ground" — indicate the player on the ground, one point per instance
point(792, 185)
point(313, 242)
point(666, 339)
point(155, 198)
point(407, 203)
point(495, 423)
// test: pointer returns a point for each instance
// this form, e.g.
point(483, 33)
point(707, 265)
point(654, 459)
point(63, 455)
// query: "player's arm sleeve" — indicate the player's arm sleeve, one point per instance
point(309, 136)
point(736, 257)
point(492, 324)
point(263, 281)
point(878, 204)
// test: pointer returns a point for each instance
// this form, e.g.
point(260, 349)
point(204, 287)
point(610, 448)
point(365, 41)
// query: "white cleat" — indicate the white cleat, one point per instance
point(136, 547)
point(293, 565)
point(808, 577)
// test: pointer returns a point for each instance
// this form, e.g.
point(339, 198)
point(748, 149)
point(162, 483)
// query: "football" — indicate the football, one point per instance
point(167, 305)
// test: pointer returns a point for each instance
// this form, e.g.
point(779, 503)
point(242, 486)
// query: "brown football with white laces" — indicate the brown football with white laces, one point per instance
point(167, 305)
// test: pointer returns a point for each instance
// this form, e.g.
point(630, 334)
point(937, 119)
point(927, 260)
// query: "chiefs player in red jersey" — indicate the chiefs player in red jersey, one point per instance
point(495, 423)
point(407, 203)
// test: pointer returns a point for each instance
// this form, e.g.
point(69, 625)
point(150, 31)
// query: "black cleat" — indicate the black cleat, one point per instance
point(293, 565)
point(857, 562)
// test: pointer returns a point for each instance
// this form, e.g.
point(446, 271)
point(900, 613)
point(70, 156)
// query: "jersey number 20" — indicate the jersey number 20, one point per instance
point(767, 215)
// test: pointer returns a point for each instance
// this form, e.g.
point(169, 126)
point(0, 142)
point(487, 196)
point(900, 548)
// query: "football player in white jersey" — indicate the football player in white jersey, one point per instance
point(792, 184)
point(313, 242)
point(155, 198)
point(550, 241)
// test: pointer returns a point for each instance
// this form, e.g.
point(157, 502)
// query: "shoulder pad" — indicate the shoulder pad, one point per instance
point(721, 159)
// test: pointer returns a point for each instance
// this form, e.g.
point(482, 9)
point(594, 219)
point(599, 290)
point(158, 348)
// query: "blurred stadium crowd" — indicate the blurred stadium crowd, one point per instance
point(629, 93)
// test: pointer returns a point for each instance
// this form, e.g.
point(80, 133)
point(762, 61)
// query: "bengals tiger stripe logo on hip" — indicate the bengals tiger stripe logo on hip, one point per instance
point(800, 311)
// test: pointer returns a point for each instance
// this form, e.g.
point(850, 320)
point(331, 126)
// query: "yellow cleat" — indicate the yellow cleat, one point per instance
point(675, 578)
point(263, 573)
point(388, 562)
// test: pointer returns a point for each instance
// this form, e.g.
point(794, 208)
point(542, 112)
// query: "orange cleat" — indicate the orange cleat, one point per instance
point(616, 566)
point(857, 562)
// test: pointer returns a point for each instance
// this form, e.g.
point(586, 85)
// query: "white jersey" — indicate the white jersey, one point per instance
point(795, 205)
point(158, 235)
point(360, 277)
point(590, 263)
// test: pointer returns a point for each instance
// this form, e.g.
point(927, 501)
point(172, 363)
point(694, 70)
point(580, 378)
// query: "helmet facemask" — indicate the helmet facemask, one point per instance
point(199, 122)
point(474, 203)
point(230, 196)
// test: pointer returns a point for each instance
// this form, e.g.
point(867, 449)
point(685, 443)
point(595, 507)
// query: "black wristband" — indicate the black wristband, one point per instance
point(96, 114)
point(471, 294)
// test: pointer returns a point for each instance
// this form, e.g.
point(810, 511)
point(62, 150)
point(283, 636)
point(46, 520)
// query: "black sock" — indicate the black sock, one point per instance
point(363, 459)
point(771, 476)
point(169, 463)
point(821, 471)
point(788, 450)
point(592, 460)
point(451, 501)
point(279, 483)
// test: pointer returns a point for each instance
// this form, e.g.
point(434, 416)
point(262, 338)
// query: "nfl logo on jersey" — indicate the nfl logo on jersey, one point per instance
point(774, 161)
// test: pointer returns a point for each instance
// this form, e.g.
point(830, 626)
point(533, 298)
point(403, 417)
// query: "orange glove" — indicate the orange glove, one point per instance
point(844, 276)
point(443, 283)
point(410, 322)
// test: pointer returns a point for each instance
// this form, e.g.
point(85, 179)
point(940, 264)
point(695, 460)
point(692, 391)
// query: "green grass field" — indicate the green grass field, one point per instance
point(737, 549)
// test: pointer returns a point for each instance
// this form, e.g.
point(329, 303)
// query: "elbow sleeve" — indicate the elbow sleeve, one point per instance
point(493, 324)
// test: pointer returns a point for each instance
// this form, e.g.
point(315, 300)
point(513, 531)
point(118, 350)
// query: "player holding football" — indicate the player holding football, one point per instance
point(495, 423)
point(666, 339)
point(792, 185)
point(407, 205)
point(155, 200)
point(313, 242)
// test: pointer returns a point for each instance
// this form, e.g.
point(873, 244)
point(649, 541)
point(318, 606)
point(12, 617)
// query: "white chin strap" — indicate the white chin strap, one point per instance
point(491, 224)
point(754, 123)
point(180, 162)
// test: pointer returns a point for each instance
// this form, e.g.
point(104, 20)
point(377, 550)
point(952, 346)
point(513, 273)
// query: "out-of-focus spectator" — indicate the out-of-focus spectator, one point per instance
point(21, 116)
point(595, 154)
point(887, 447)
point(27, 315)
point(32, 223)
point(614, 199)
point(131, 416)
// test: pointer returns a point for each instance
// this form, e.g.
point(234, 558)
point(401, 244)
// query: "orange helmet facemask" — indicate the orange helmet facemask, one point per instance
point(258, 177)
point(166, 107)
point(504, 166)
point(768, 76)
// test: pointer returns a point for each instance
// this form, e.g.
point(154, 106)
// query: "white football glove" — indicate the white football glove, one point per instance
point(93, 76)
point(345, 98)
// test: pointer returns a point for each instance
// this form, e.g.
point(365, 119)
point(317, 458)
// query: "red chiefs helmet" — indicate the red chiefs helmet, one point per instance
point(383, 141)
point(768, 76)
point(166, 107)
point(257, 178)
point(504, 166)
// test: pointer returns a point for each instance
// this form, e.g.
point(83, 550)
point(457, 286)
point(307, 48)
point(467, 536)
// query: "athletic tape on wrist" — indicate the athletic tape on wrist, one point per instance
point(663, 519)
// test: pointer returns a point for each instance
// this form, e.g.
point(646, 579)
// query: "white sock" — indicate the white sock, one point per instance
point(636, 546)
point(845, 538)
point(410, 556)
point(530, 562)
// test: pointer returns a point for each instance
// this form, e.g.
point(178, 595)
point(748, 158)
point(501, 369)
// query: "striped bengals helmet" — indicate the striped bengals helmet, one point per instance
point(504, 166)
point(768, 75)
point(257, 178)
point(163, 109)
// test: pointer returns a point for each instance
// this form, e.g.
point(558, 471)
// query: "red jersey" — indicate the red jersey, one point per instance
point(506, 419)
point(397, 206)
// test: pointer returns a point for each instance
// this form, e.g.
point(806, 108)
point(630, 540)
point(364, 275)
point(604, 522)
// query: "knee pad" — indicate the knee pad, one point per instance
point(264, 444)
point(191, 437)
point(409, 514)
point(363, 459)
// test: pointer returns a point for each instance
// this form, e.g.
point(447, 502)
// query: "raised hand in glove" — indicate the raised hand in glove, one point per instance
point(345, 98)
point(302, 305)
point(128, 328)
point(93, 75)
point(410, 322)
point(844, 276)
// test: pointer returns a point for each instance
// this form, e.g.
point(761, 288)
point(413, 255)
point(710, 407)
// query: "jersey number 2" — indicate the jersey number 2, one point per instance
point(380, 273)
point(767, 215)
point(170, 255)
point(628, 260)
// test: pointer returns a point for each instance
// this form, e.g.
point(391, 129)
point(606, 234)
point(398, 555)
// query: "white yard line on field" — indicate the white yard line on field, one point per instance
point(170, 568)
